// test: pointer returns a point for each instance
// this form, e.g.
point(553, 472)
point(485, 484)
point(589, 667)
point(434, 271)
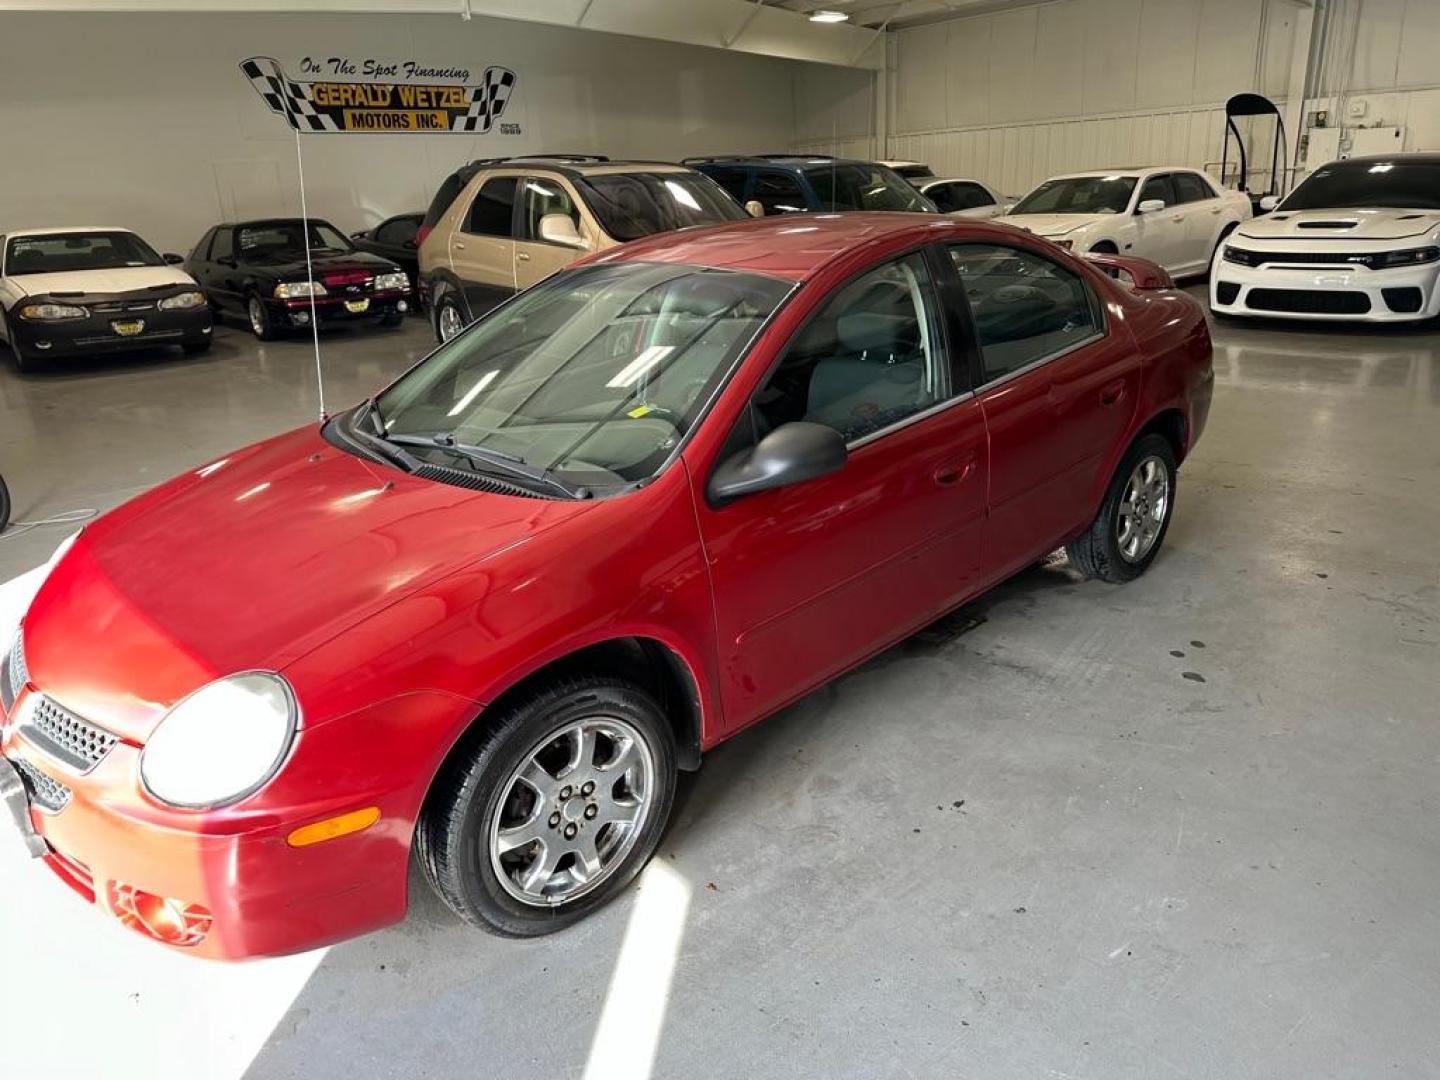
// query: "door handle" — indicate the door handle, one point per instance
point(1178, 218)
point(521, 256)
point(1216, 210)
point(1113, 392)
point(952, 472)
point(459, 246)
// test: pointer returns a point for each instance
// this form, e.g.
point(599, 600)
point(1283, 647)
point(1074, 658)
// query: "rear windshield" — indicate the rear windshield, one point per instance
point(913, 172)
point(1393, 185)
point(449, 191)
point(1079, 195)
point(631, 205)
point(64, 252)
point(864, 187)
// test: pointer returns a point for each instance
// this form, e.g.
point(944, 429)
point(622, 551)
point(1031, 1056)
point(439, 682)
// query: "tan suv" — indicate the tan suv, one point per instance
point(499, 225)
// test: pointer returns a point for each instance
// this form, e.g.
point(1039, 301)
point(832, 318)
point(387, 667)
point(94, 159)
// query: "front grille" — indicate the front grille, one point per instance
point(50, 795)
point(475, 481)
point(15, 674)
point(1404, 301)
point(1226, 292)
point(1247, 257)
point(112, 339)
point(65, 737)
point(1308, 301)
point(115, 308)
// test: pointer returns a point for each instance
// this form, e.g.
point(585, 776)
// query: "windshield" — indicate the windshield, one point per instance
point(632, 205)
point(854, 186)
point(281, 239)
point(63, 252)
point(1079, 195)
point(1391, 185)
point(594, 375)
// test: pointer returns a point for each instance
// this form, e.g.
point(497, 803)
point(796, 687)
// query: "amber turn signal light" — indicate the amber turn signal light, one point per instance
point(333, 828)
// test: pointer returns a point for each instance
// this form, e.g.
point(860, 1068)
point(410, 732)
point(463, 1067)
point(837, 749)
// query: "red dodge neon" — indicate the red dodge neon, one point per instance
point(486, 616)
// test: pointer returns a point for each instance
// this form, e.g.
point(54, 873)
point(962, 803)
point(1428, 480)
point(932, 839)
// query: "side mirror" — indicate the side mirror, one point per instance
point(791, 454)
point(1149, 206)
point(560, 229)
point(1143, 274)
point(172, 259)
point(1269, 202)
point(755, 208)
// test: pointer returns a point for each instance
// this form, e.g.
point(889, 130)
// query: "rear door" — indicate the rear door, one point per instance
point(537, 259)
point(482, 249)
point(1057, 389)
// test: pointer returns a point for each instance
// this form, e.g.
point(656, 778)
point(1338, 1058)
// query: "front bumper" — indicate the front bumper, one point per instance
point(224, 884)
point(1325, 293)
point(334, 310)
point(114, 332)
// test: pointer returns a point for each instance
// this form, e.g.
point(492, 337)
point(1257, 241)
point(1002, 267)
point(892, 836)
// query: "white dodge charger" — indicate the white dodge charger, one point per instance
point(1170, 215)
point(1358, 239)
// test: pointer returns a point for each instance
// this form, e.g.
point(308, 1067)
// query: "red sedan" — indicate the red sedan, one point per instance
point(486, 616)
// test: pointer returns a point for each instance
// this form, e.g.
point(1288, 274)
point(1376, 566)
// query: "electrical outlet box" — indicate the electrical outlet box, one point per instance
point(1357, 108)
point(1323, 146)
point(1376, 140)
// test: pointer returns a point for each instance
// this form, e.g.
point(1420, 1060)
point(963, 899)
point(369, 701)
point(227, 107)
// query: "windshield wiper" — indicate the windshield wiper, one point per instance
point(507, 463)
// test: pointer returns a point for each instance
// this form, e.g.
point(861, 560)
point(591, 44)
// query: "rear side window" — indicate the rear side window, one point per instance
point(493, 209)
point(542, 196)
point(1024, 308)
point(960, 195)
point(448, 192)
point(778, 192)
point(732, 180)
point(1191, 188)
point(397, 231)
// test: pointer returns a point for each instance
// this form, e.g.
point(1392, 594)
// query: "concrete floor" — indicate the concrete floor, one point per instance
point(1172, 829)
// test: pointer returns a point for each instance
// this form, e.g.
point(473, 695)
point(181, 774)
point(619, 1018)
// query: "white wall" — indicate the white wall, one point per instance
point(146, 121)
point(835, 111)
point(1019, 94)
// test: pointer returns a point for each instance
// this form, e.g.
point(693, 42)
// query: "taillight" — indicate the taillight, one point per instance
point(421, 233)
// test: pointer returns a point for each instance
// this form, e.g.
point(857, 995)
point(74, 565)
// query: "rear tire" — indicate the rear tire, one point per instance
point(1126, 535)
point(450, 317)
point(526, 800)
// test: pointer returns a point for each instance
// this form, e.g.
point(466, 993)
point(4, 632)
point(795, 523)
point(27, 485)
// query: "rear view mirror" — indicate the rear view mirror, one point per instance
point(1149, 206)
point(172, 259)
point(791, 454)
point(755, 208)
point(1269, 202)
point(560, 229)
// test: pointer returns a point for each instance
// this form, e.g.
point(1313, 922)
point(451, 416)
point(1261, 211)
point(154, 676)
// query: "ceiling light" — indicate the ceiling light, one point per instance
point(824, 15)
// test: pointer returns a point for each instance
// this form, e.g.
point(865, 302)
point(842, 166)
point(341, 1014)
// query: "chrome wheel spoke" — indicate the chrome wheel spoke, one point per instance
point(539, 779)
point(538, 874)
point(582, 752)
point(513, 837)
point(626, 756)
point(587, 857)
point(622, 812)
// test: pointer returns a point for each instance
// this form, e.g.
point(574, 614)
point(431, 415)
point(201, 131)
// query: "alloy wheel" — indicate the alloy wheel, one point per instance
point(1142, 511)
point(571, 811)
point(257, 316)
point(450, 321)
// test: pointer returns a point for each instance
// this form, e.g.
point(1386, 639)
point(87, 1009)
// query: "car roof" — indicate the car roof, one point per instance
point(274, 221)
point(1126, 170)
point(569, 165)
point(793, 246)
point(783, 161)
point(1419, 158)
point(922, 182)
point(63, 229)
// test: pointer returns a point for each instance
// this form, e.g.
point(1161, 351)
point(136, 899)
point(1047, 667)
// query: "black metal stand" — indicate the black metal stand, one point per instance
point(4, 505)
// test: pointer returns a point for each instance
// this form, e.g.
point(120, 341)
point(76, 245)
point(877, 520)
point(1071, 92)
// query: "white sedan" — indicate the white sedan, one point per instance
point(1359, 239)
point(1172, 216)
point(962, 198)
point(80, 291)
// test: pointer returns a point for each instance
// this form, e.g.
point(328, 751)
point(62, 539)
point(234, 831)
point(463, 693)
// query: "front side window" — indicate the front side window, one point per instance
point(398, 231)
point(493, 209)
point(1079, 195)
point(1159, 187)
point(1025, 308)
point(1395, 185)
point(631, 205)
point(224, 245)
point(871, 356)
point(854, 186)
point(58, 253)
point(594, 375)
point(543, 196)
point(286, 239)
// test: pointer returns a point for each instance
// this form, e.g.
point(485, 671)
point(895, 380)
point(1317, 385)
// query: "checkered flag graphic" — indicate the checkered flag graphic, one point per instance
point(487, 101)
point(284, 96)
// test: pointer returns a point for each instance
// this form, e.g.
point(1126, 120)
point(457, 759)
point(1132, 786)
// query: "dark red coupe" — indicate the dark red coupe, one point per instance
point(483, 618)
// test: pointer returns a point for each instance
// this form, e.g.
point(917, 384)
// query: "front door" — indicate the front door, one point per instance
point(810, 579)
point(537, 259)
point(1057, 392)
point(482, 250)
point(1160, 234)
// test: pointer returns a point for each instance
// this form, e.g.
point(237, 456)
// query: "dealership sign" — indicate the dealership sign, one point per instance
point(385, 97)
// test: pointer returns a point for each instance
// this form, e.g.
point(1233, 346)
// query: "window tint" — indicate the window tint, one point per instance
point(856, 186)
point(631, 205)
point(1158, 187)
point(398, 231)
point(1399, 185)
point(224, 246)
point(446, 194)
point(273, 239)
point(1191, 188)
point(960, 195)
point(778, 192)
point(873, 355)
point(1024, 307)
point(56, 253)
point(201, 251)
point(732, 180)
point(540, 196)
point(490, 213)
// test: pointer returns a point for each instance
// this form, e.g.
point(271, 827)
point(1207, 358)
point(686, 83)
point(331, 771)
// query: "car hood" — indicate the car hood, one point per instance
point(322, 265)
point(1052, 224)
point(1340, 225)
point(249, 563)
point(103, 282)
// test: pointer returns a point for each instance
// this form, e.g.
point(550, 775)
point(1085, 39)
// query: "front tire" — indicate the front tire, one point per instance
point(1126, 535)
point(260, 322)
point(24, 362)
point(552, 809)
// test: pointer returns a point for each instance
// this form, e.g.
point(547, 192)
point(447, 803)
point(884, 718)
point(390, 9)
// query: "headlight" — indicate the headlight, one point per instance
point(1408, 257)
point(389, 282)
point(222, 743)
point(296, 290)
point(184, 300)
point(52, 312)
point(1238, 255)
